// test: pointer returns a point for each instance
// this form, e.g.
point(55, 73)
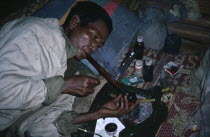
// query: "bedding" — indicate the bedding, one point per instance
point(123, 36)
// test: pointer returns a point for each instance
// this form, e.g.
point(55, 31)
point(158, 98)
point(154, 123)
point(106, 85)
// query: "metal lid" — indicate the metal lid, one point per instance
point(139, 63)
point(148, 62)
point(139, 38)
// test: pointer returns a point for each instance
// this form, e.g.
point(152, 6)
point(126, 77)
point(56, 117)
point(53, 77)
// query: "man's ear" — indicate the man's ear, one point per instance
point(74, 21)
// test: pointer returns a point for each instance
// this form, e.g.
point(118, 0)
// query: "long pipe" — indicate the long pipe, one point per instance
point(104, 73)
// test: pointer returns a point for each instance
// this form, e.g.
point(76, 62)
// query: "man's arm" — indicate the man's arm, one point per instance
point(114, 108)
point(79, 85)
point(26, 58)
point(54, 86)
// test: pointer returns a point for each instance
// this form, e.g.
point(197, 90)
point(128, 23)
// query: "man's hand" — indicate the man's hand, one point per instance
point(116, 107)
point(80, 85)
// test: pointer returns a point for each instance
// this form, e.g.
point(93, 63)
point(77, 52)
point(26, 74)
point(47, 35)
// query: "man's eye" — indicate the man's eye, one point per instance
point(94, 36)
point(100, 45)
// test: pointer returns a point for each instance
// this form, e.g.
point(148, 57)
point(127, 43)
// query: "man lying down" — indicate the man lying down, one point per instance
point(37, 98)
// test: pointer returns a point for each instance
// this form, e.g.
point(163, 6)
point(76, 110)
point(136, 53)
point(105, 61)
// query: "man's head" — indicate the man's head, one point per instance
point(87, 26)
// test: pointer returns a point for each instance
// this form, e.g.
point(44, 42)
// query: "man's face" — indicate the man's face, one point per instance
point(89, 38)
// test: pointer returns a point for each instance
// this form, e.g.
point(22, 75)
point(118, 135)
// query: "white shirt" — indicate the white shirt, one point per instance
point(31, 49)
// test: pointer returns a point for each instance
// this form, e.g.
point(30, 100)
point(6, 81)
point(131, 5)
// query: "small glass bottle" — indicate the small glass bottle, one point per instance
point(148, 71)
point(139, 67)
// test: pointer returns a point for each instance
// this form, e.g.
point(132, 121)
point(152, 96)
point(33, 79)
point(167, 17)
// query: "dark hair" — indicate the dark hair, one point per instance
point(89, 12)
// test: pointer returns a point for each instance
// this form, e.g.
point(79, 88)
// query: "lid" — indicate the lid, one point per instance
point(139, 63)
point(148, 62)
point(139, 38)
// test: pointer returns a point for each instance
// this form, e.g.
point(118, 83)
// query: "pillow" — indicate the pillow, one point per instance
point(56, 9)
point(125, 26)
point(62, 20)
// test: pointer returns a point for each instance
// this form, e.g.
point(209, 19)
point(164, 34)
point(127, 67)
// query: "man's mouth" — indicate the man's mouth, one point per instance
point(85, 54)
point(86, 50)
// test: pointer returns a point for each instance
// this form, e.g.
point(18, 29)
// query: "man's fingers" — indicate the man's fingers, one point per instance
point(126, 102)
point(95, 82)
point(117, 99)
point(121, 108)
point(90, 91)
point(92, 83)
point(135, 104)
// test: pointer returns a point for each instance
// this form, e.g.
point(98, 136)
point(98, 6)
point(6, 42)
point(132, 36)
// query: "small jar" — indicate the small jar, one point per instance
point(139, 67)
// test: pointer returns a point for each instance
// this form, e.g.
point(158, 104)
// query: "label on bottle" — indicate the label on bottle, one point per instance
point(139, 67)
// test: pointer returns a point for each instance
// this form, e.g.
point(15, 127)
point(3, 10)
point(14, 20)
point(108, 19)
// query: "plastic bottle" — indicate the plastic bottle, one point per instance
point(139, 67)
point(148, 71)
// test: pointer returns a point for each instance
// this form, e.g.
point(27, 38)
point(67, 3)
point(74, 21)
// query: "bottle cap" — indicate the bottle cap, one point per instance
point(139, 38)
point(139, 63)
point(148, 62)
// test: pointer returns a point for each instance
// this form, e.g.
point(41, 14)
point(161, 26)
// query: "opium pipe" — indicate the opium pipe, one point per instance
point(104, 73)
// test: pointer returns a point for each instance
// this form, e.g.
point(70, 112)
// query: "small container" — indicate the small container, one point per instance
point(148, 71)
point(139, 67)
point(111, 129)
point(131, 80)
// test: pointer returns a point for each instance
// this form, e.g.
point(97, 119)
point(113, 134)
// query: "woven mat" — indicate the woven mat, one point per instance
point(182, 105)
